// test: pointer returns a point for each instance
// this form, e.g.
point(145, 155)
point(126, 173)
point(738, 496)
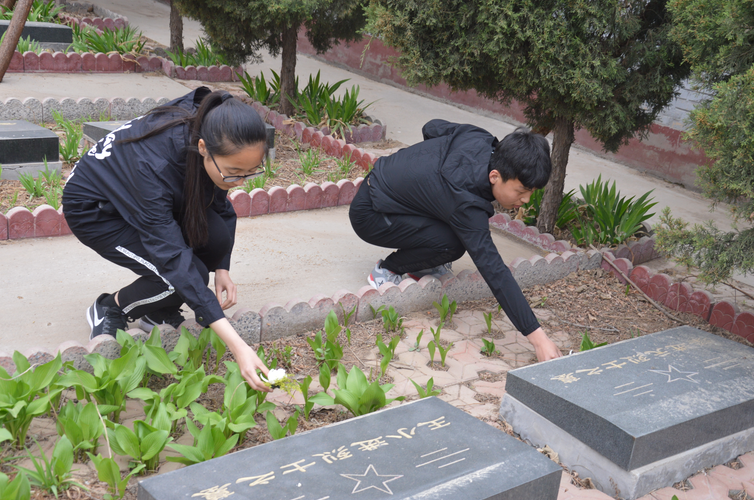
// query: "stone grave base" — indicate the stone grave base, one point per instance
point(607, 476)
point(13, 171)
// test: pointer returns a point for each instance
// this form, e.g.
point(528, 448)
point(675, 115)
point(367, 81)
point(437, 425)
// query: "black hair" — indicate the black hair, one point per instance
point(525, 156)
point(227, 125)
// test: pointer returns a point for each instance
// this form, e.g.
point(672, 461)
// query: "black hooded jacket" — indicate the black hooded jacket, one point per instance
point(144, 182)
point(446, 177)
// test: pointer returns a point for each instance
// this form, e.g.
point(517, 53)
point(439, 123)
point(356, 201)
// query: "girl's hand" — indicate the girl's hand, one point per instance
point(543, 346)
point(247, 359)
point(223, 283)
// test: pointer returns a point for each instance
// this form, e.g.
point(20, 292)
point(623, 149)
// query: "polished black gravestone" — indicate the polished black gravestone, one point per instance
point(427, 449)
point(49, 35)
point(640, 404)
point(24, 147)
point(94, 131)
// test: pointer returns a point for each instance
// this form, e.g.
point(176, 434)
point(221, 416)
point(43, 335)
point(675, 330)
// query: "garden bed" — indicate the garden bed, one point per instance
point(592, 299)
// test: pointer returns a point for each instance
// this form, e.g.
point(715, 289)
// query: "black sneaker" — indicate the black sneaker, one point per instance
point(105, 320)
point(173, 318)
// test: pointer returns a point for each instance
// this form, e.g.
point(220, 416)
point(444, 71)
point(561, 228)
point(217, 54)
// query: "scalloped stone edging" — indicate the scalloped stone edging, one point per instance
point(275, 321)
point(33, 110)
point(98, 22)
point(73, 62)
point(637, 252)
point(683, 298)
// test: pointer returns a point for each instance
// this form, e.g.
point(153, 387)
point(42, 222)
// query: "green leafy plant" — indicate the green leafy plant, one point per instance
point(356, 393)
point(341, 114)
point(35, 187)
point(446, 309)
point(489, 347)
point(143, 444)
point(444, 352)
point(377, 311)
point(387, 351)
point(258, 90)
point(111, 381)
point(122, 40)
point(310, 161)
point(566, 210)
point(26, 45)
point(69, 148)
point(609, 218)
point(158, 361)
point(41, 12)
point(209, 442)
point(390, 320)
point(432, 347)
point(327, 349)
point(255, 183)
point(108, 472)
point(18, 489)
point(343, 168)
point(488, 321)
point(82, 426)
point(417, 344)
point(586, 342)
point(204, 56)
point(283, 355)
point(429, 391)
point(278, 431)
point(269, 168)
point(304, 388)
point(191, 352)
point(26, 394)
point(53, 474)
point(347, 315)
point(325, 376)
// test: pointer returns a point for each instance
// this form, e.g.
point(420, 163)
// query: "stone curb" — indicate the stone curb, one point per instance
point(638, 252)
point(275, 321)
point(33, 110)
point(73, 62)
point(683, 298)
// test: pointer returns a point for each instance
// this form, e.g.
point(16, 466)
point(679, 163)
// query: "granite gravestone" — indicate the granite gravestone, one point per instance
point(642, 404)
point(24, 147)
point(53, 36)
point(427, 449)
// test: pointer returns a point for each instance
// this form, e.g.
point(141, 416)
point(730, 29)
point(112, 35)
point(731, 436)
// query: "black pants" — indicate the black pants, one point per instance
point(422, 242)
point(103, 230)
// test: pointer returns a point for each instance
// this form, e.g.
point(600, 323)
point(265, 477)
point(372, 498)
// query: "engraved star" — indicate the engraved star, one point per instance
point(372, 478)
point(669, 372)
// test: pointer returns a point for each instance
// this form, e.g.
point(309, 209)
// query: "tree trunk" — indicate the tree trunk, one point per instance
point(176, 29)
point(17, 23)
point(288, 71)
point(561, 146)
point(9, 4)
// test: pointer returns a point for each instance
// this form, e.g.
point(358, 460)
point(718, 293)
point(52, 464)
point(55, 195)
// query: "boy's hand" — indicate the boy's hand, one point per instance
point(543, 346)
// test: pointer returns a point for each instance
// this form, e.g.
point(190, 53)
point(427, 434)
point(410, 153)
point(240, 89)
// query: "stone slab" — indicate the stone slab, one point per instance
point(608, 477)
point(25, 142)
point(94, 131)
point(646, 399)
point(13, 171)
point(427, 449)
point(43, 32)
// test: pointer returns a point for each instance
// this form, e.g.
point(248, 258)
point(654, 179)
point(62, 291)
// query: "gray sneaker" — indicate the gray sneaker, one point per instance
point(437, 271)
point(381, 276)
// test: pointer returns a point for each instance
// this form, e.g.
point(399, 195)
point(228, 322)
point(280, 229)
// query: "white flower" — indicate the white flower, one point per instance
point(276, 376)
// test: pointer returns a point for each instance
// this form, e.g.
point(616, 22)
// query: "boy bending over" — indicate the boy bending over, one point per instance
point(432, 201)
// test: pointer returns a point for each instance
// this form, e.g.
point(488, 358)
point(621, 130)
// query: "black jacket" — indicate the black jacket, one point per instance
point(144, 180)
point(446, 177)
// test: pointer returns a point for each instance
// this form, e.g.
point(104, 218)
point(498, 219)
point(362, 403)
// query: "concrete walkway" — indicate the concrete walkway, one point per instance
point(317, 253)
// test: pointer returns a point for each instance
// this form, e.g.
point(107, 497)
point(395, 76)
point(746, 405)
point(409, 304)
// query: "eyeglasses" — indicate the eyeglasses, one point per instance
point(233, 178)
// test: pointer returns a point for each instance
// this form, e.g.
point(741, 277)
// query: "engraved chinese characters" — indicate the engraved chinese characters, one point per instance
point(645, 399)
point(415, 448)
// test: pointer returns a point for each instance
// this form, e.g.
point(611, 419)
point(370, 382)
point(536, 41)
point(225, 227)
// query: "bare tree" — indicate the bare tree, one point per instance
point(176, 28)
point(17, 22)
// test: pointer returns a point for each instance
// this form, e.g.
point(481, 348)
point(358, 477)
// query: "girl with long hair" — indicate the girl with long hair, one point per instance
point(152, 196)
